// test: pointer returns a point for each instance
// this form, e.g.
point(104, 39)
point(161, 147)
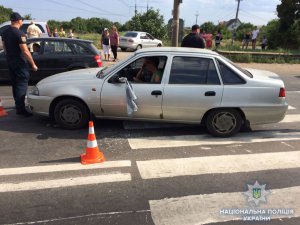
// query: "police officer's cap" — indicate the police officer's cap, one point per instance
point(195, 27)
point(15, 17)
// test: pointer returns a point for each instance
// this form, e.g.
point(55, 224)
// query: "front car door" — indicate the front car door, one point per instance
point(149, 95)
point(193, 88)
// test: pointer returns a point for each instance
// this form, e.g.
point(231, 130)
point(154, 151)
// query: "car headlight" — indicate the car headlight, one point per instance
point(35, 91)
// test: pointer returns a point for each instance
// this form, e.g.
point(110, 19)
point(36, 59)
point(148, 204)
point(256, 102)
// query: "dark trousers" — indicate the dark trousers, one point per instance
point(19, 76)
point(114, 49)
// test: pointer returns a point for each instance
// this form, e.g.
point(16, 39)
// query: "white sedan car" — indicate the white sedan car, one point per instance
point(135, 40)
point(196, 86)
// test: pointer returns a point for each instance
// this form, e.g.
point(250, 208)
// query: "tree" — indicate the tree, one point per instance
point(27, 17)
point(4, 14)
point(289, 15)
point(208, 27)
point(151, 22)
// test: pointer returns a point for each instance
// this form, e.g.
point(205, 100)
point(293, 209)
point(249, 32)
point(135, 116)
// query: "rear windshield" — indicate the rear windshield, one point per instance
point(246, 72)
point(130, 34)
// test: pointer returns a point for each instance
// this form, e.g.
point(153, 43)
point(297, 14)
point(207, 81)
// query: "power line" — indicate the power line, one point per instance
point(73, 7)
point(110, 13)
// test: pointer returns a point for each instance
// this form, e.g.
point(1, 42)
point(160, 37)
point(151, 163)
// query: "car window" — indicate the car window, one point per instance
point(150, 36)
point(80, 48)
point(228, 75)
point(143, 36)
point(56, 47)
point(131, 70)
point(24, 27)
point(130, 34)
point(193, 70)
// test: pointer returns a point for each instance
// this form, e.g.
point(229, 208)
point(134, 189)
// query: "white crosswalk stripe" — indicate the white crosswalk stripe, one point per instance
point(67, 182)
point(205, 209)
point(194, 140)
point(218, 164)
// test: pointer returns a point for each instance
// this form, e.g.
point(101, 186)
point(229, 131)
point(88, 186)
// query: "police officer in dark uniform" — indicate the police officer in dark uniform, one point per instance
point(193, 39)
point(18, 56)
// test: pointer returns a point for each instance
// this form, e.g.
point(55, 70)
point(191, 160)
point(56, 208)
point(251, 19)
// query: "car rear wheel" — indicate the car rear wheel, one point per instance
point(138, 47)
point(71, 114)
point(223, 122)
point(123, 49)
point(159, 45)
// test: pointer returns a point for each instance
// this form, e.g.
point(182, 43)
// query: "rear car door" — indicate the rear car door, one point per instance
point(56, 56)
point(193, 88)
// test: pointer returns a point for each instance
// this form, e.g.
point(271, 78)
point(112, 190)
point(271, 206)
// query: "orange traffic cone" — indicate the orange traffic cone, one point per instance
point(2, 111)
point(93, 155)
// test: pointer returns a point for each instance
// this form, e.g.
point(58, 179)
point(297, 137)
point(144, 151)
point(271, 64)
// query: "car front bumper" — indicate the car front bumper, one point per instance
point(39, 105)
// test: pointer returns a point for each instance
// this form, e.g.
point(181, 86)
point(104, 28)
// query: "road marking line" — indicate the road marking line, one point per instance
point(194, 140)
point(205, 209)
point(291, 107)
point(291, 118)
point(63, 167)
point(163, 168)
point(82, 216)
point(67, 182)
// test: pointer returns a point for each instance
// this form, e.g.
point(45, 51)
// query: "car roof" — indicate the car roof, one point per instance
point(24, 21)
point(177, 50)
point(59, 39)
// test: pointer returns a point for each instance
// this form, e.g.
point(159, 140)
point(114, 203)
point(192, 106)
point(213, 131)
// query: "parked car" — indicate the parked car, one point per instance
point(42, 25)
point(57, 55)
point(135, 40)
point(197, 86)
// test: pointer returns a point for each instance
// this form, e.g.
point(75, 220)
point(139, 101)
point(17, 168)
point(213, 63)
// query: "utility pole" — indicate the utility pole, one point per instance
point(197, 14)
point(175, 24)
point(135, 11)
point(235, 22)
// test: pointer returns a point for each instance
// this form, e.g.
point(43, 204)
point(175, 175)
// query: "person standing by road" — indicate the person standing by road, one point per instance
point(33, 31)
point(255, 33)
point(14, 43)
point(193, 39)
point(218, 38)
point(55, 33)
point(61, 33)
point(114, 42)
point(105, 42)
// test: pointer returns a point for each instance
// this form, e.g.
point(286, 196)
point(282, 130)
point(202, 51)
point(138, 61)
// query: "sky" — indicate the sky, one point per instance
point(257, 12)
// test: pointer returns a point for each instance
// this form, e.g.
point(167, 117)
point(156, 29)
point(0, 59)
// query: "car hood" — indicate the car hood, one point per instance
point(82, 74)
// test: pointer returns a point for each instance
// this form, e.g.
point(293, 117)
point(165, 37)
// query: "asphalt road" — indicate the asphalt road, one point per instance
point(153, 174)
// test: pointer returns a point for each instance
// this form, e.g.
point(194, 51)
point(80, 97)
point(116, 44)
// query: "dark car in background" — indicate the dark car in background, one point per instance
point(55, 55)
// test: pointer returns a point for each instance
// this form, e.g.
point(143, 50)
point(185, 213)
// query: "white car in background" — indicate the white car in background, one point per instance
point(42, 25)
point(135, 40)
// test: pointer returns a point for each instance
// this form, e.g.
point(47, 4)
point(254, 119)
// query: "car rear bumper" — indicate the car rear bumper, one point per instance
point(39, 105)
point(264, 115)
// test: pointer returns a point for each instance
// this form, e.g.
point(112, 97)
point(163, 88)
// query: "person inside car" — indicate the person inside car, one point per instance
point(151, 65)
point(36, 49)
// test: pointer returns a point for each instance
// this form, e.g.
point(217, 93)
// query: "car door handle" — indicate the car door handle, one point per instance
point(210, 93)
point(156, 92)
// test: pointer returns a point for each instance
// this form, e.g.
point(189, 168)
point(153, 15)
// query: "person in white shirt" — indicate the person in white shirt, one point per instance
point(255, 33)
point(33, 31)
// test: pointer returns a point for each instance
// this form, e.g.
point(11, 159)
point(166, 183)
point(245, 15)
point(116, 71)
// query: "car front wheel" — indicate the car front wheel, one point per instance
point(223, 122)
point(123, 49)
point(71, 114)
